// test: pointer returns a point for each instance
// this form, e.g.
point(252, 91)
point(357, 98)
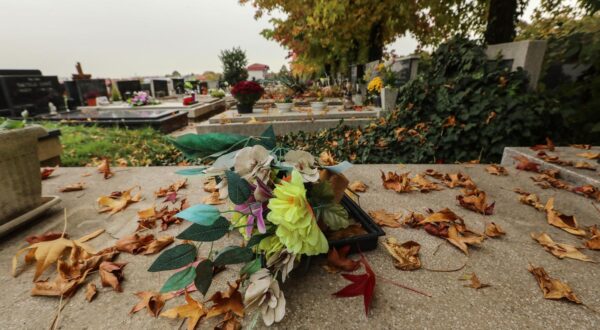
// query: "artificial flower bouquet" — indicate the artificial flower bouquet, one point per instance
point(141, 99)
point(284, 204)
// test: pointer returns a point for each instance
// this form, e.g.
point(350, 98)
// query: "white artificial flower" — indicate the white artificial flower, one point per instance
point(283, 262)
point(253, 162)
point(303, 162)
point(264, 292)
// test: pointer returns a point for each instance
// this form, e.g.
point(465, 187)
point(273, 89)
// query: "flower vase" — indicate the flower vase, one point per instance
point(388, 98)
point(244, 108)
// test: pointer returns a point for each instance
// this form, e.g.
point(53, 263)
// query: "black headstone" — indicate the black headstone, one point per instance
point(147, 88)
point(17, 72)
point(91, 88)
point(178, 85)
point(29, 92)
point(128, 87)
point(161, 88)
point(73, 97)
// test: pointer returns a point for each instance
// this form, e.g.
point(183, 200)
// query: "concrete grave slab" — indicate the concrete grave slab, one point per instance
point(514, 300)
point(571, 174)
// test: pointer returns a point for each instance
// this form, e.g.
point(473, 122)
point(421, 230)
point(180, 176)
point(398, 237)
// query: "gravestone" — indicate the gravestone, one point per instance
point(128, 87)
point(405, 68)
point(29, 92)
point(19, 72)
point(160, 88)
point(91, 88)
point(527, 54)
point(147, 87)
point(178, 85)
point(73, 97)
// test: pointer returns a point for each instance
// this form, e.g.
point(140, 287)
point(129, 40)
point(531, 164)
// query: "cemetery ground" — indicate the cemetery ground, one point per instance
point(440, 294)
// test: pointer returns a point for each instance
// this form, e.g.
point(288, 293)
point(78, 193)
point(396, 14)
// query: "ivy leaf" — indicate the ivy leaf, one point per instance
point(179, 280)
point(210, 233)
point(204, 275)
point(204, 215)
point(251, 267)
point(174, 258)
point(233, 255)
point(335, 217)
point(238, 188)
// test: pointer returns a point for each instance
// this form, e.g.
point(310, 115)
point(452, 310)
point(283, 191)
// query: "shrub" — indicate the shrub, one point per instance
point(462, 107)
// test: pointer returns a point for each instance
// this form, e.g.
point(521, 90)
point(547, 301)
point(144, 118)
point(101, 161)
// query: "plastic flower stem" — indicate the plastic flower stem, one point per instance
point(211, 249)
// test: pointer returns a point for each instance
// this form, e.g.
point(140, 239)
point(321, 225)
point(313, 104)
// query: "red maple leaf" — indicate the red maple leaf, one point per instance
point(362, 285)
point(171, 197)
point(46, 172)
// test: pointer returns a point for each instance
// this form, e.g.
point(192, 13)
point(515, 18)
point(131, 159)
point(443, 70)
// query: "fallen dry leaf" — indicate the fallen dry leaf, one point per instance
point(383, 218)
point(396, 182)
point(589, 155)
point(72, 187)
point(229, 322)
point(424, 185)
point(111, 274)
point(567, 223)
point(406, 255)
point(152, 301)
point(548, 146)
point(121, 162)
point(117, 201)
point(46, 172)
point(104, 168)
point(525, 164)
point(210, 186)
point(337, 260)
point(193, 311)
point(584, 166)
point(90, 292)
point(559, 250)
point(461, 237)
point(532, 200)
point(582, 146)
point(475, 200)
point(453, 180)
point(493, 230)
point(147, 213)
point(549, 179)
point(225, 302)
point(358, 186)
point(147, 244)
point(475, 282)
point(496, 170)
point(163, 192)
point(552, 288)
point(213, 199)
point(48, 236)
point(351, 231)
point(326, 159)
point(443, 215)
point(594, 242)
point(588, 191)
point(58, 287)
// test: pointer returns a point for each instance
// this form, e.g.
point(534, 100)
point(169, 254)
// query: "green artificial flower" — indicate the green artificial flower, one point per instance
point(270, 245)
point(297, 227)
point(240, 220)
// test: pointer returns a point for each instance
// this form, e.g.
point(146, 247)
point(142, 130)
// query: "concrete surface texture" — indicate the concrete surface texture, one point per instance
point(255, 127)
point(297, 114)
point(514, 300)
point(571, 174)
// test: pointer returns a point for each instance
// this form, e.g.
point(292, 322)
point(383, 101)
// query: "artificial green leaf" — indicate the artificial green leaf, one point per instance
point(203, 145)
point(335, 217)
point(267, 138)
point(233, 255)
point(179, 280)
point(210, 233)
point(202, 214)
point(174, 258)
point(204, 275)
point(251, 267)
point(237, 187)
point(255, 239)
point(321, 193)
point(339, 168)
point(192, 171)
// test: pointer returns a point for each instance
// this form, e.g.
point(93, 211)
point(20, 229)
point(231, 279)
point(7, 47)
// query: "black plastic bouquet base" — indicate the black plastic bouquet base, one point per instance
point(359, 243)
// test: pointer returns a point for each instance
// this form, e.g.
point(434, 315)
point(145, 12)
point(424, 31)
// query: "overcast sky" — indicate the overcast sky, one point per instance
point(123, 38)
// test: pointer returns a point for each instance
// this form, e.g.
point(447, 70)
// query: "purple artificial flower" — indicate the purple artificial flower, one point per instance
point(254, 207)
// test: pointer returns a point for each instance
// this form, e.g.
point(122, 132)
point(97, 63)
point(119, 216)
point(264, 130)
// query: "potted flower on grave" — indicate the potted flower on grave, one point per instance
point(389, 92)
point(284, 102)
point(142, 98)
point(374, 90)
point(20, 182)
point(283, 207)
point(246, 93)
point(318, 105)
point(217, 93)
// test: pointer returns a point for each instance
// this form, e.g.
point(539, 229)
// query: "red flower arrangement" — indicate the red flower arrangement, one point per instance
point(247, 92)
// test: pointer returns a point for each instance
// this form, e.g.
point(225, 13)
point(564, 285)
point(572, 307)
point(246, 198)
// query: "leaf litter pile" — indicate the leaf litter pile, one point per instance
point(76, 263)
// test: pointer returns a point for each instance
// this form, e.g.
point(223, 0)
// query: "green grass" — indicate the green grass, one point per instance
point(140, 147)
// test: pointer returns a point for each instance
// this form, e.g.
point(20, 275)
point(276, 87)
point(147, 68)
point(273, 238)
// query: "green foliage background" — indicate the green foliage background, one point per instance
point(491, 107)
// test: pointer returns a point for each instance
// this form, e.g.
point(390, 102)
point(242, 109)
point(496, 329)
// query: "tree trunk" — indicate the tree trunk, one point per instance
point(375, 52)
point(501, 22)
